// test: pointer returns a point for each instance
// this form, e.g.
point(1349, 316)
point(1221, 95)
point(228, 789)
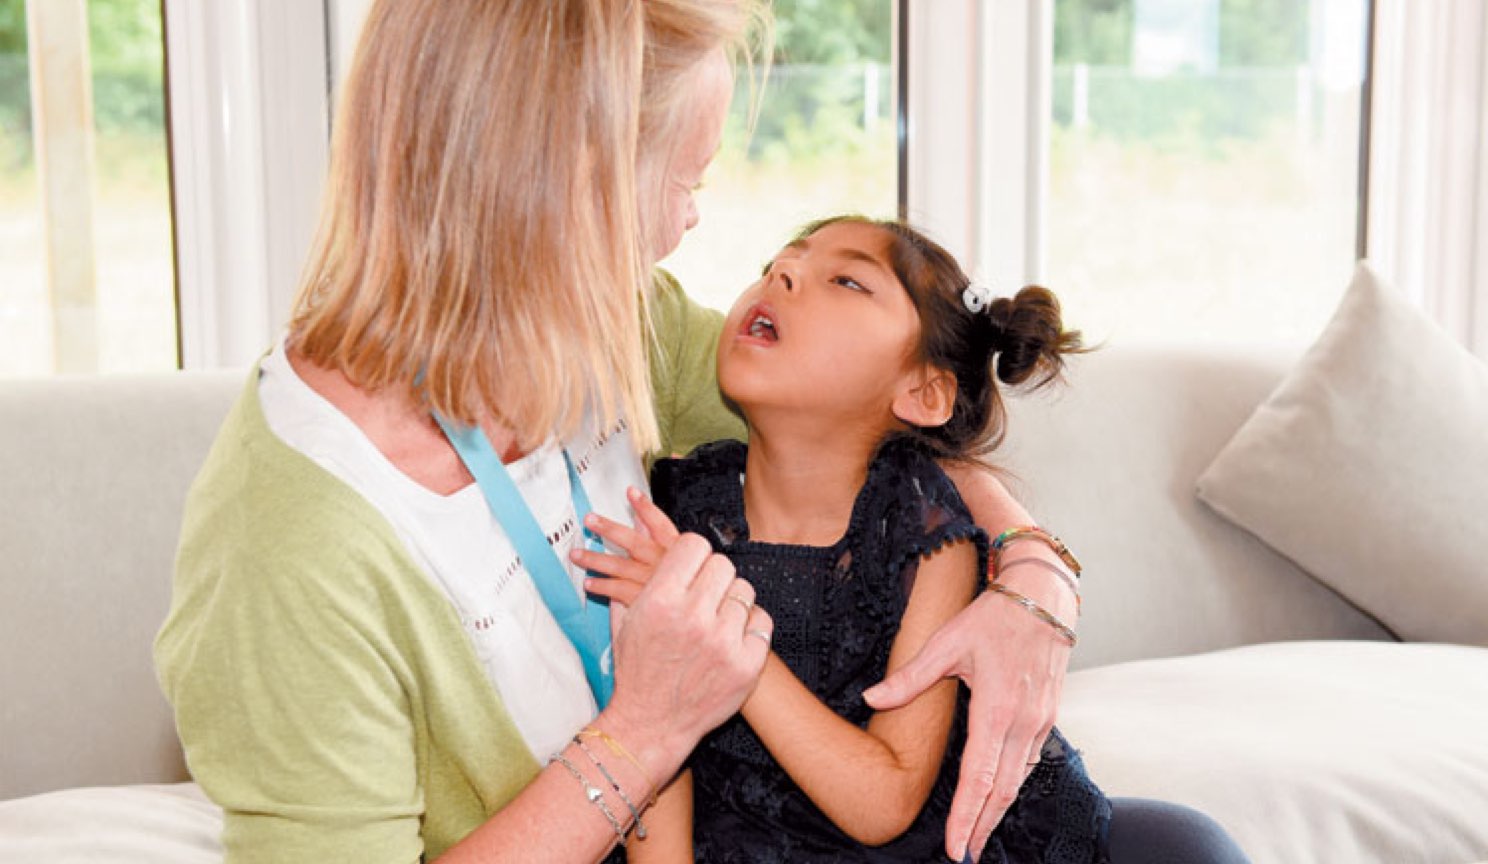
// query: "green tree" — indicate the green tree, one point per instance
point(1097, 32)
point(128, 57)
point(824, 51)
point(127, 54)
point(1263, 32)
point(15, 85)
point(833, 31)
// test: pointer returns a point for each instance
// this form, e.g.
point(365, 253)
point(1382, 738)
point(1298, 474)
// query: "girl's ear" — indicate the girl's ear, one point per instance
point(926, 398)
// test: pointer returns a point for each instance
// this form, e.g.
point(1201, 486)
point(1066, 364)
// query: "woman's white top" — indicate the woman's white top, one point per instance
point(461, 547)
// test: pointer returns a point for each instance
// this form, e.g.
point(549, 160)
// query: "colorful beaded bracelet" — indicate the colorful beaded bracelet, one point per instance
point(1033, 532)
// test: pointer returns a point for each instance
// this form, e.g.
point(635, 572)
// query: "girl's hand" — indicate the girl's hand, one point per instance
point(688, 655)
point(645, 544)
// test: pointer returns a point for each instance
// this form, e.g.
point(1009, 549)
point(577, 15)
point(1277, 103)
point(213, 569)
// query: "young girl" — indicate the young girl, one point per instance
point(861, 357)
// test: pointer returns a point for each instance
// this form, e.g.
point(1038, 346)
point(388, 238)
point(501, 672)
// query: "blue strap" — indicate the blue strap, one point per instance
point(585, 620)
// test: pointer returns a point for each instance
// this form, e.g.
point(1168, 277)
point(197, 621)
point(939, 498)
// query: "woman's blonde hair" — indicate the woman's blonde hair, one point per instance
point(481, 240)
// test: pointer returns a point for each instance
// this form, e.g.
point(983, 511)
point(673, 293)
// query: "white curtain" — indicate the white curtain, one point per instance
point(1428, 191)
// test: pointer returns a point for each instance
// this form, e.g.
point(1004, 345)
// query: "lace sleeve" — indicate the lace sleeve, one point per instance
point(915, 510)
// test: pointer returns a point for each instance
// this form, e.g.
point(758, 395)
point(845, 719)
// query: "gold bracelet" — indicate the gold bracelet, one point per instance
point(619, 750)
point(1038, 611)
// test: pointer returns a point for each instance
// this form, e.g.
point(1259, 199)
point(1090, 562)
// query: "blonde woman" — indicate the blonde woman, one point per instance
point(375, 651)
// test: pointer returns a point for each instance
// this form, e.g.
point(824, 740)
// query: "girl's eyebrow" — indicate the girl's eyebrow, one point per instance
point(859, 255)
point(851, 253)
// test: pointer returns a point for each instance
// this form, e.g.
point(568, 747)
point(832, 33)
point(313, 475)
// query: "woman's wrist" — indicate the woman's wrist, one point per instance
point(648, 756)
point(1039, 583)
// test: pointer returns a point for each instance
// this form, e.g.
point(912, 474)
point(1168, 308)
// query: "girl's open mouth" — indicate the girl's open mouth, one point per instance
point(760, 324)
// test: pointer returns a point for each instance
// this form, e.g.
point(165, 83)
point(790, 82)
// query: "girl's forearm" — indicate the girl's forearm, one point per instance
point(864, 785)
point(668, 827)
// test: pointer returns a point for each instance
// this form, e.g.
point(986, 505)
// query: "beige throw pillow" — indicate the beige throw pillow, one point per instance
point(1368, 466)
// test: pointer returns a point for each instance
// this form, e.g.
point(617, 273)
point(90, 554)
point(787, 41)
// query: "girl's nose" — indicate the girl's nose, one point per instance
point(785, 278)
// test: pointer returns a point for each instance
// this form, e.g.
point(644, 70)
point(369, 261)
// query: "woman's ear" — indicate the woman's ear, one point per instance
point(926, 398)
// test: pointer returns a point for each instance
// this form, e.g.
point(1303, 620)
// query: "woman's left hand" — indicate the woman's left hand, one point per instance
point(643, 544)
point(1014, 665)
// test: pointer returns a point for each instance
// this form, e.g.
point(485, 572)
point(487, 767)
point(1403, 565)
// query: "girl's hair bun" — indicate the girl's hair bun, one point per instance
point(1029, 338)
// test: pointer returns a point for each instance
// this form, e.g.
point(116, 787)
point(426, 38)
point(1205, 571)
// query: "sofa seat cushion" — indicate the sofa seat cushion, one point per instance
point(1306, 751)
point(169, 824)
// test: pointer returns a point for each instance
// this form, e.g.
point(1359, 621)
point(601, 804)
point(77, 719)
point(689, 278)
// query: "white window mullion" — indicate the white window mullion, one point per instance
point(1478, 286)
point(62, 100)
point(979, 83)
point(249, 150)
point(942, 123)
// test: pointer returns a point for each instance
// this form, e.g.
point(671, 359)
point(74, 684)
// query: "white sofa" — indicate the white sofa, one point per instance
point(1210, 670)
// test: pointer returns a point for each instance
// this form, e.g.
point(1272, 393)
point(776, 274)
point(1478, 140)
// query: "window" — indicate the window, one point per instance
point(1204, 165)
point(824, 144)
point(86, 275)
point(1175, 170)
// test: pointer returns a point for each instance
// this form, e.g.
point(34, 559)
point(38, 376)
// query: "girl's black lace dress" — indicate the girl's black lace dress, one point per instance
point(836, 612)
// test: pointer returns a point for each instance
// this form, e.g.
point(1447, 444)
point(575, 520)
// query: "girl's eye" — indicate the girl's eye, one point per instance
point(851, 284)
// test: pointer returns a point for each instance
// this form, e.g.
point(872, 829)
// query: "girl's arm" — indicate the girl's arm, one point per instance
point(668, 827)
point(1013, 663)
point(871, 782)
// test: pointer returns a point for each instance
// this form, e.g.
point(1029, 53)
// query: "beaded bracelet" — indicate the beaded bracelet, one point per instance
point(595, 796)
point(1038, 611)
point(640, 827)
point(1033, 532)
point(1063, 574)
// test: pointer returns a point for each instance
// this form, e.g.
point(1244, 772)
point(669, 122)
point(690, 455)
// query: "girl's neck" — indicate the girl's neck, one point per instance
point(799, 487)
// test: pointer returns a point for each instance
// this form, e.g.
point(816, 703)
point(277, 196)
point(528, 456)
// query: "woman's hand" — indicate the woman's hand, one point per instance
point(1014, 665)
point(690, 650)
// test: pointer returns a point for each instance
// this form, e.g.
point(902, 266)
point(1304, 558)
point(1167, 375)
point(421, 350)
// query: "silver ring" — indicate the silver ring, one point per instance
point(742, 601)
point(755, 631)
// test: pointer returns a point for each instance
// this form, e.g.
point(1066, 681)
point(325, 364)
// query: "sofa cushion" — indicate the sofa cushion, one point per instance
point(1109, 463)
point(1306, 751)
point(171, 824)
point(1368, 466)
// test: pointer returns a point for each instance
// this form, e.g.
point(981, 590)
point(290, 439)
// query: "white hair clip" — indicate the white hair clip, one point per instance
point(976, 298)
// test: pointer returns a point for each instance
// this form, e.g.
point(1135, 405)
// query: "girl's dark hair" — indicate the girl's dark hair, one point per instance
point(1022, 337)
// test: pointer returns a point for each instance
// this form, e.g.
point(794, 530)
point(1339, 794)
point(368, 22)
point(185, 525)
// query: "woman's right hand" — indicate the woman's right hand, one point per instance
point(687, 656)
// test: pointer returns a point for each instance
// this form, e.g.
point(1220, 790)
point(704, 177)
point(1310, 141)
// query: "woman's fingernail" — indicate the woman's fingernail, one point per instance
point(591, 520)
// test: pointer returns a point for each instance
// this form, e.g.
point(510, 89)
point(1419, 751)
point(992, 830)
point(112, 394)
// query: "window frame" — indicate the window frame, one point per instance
point(248, 120)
